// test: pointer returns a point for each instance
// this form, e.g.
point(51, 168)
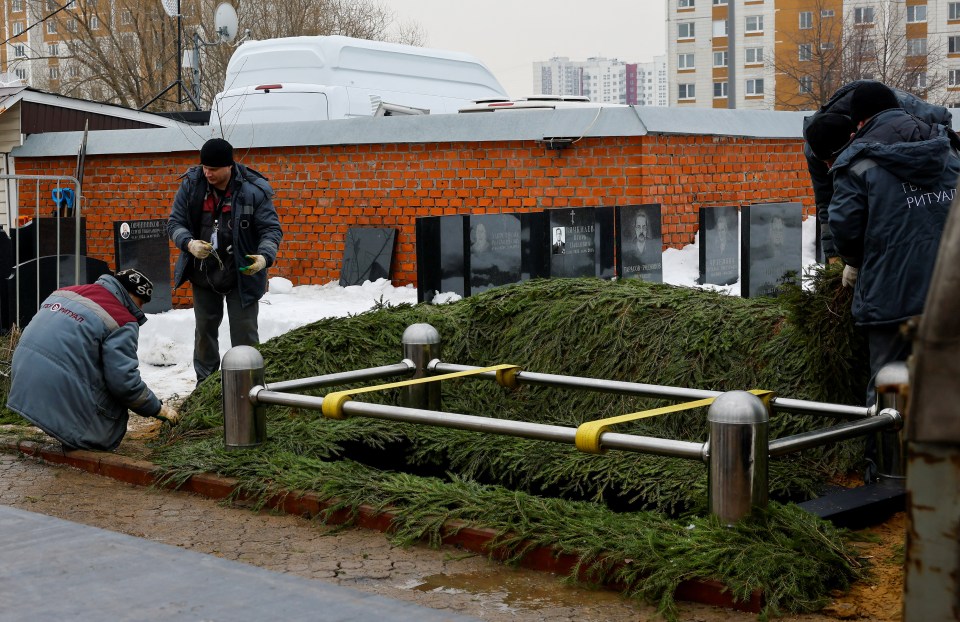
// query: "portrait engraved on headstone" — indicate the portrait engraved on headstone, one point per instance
point(143, 245)
point(771, 247)
point(578, 252)
point(367, 255)
point(559, 241)
point(495, 251)
point(640, 242)
point(719, 251)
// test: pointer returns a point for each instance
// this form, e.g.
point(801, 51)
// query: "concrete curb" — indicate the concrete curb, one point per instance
point(308, 504)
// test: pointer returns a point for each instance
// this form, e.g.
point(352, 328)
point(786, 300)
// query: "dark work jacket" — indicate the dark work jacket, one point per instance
point(893, 186)
point(254, 220)
point(820, 177)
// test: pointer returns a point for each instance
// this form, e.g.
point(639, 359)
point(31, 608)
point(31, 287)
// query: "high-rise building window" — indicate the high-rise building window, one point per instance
point(953, 78)
point(863, 15)
point(19, 50)
point(753, 56)
point(54, 73)
point(51, 27)
point(685, 61)
point(806, 20)
point(916, 13)
point(685, 30)
point(917, 47)
point(719, 90)
point(953, 45)
point(71, 25)
point(920, 81)
point(719, 2)
point(686, 4)
point(686, 91)
point(21, 73)
point(720, 59)
point(953, 10)
point(826, 13)
point(720, 28)
point(806, 51)
point(53, 49)
point(17, 28)
point(16, 6)
point(755, 86)
point(94, 22)
point(753, 23)
point(806, 85)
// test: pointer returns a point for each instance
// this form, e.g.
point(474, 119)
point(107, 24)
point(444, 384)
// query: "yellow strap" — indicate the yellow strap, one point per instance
point(588, 434)
point(332, 406)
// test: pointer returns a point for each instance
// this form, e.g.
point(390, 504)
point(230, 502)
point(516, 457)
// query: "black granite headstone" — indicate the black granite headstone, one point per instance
point(367, 255)
point(25, 242)
point(718, 245)
point(24, 281)
point(142, 245)
point(580, 242)
point(496, 255)
point(640, 242)
point(770, 247)
point(441, 265)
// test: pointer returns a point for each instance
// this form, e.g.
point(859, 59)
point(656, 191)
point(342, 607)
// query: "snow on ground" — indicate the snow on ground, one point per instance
point(166, 340)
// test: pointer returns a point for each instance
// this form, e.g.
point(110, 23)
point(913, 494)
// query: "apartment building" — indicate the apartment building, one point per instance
point(606, 80)
point(792, 54)
point(34, 52)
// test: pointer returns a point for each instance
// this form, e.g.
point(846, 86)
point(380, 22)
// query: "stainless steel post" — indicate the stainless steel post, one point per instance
point(421, 344)
point(737, 464)
point(893, 381)
point(244, 422)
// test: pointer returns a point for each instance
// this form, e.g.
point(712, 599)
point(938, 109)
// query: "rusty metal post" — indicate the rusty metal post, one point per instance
point(932, 577)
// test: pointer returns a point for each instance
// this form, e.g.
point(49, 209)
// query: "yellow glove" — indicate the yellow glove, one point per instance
point(199, 248)
point(258, 264)
point(168, 414)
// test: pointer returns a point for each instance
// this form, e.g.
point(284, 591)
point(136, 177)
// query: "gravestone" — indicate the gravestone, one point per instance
point(579, 242)
point(25, 243)
point(367, 255)
point(24, 281)
point(719, 250)
point(770, 247)
point(441, 263)
point(640, 242)
point(496, 253)
point(142, 245)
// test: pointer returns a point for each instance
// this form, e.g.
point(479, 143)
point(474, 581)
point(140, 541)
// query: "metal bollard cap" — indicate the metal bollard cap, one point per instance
point(892, 377)
point(241, 357)
point(738, 407)
point(420, 334)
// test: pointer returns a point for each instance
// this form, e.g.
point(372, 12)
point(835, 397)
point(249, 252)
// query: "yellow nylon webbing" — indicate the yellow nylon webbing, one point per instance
point(332, 407)
point(588, 434)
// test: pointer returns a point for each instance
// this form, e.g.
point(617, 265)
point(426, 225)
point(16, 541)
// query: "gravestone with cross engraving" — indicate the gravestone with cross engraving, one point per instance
point(580, 242)
point(142, 245)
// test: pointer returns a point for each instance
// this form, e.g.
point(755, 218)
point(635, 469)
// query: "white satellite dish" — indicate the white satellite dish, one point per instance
point(172, 7)
point(225, 22)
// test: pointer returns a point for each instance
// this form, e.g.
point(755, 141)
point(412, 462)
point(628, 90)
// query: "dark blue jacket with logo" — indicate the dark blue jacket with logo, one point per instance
point(75, 370)
point(892, 190)
point(256, 226)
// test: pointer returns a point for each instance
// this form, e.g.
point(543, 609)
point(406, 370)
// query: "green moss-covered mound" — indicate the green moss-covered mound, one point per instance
point(606, 508)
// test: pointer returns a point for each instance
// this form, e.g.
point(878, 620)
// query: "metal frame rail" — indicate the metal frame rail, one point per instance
point(736, 452)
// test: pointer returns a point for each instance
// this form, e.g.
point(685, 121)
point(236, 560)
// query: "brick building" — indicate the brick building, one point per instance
point(334, 175)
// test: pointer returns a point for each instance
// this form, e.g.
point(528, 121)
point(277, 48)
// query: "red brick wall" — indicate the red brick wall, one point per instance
point(324, 190)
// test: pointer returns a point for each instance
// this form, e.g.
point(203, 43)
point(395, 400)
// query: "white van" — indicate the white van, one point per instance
point(334, 77)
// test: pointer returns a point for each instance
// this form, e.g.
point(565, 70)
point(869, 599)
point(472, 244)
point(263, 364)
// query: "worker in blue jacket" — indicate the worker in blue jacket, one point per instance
point(75, 369)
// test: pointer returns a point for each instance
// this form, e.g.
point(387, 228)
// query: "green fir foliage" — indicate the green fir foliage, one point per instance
point(630, 518)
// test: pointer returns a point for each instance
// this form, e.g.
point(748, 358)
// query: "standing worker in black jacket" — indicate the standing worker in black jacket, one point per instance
point(227, 229)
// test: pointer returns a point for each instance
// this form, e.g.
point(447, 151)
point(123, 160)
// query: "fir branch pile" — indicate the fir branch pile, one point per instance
point(630, 518)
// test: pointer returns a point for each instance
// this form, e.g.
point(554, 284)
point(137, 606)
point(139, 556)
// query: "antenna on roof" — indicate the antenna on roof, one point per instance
point(172, 8)
point(225, 29)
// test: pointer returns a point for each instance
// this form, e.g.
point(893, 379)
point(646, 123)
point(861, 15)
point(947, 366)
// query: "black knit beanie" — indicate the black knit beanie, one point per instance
point(216, 153)
point(871, 98)
point(827, 133)
point(136, 283)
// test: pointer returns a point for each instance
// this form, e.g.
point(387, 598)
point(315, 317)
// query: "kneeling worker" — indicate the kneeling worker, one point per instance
point(75, 370)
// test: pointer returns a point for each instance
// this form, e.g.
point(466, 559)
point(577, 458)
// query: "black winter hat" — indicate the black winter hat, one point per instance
point(216, 153)
point(827, 133)
point(870, 98)
point(136, 283)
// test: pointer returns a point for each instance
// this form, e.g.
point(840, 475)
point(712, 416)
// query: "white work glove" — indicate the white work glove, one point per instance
point(168, 414)
point(259, 263)
point(849, 276)
point(199, 248)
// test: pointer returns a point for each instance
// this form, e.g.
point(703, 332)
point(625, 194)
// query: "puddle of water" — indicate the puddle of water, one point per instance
point(515, 588)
